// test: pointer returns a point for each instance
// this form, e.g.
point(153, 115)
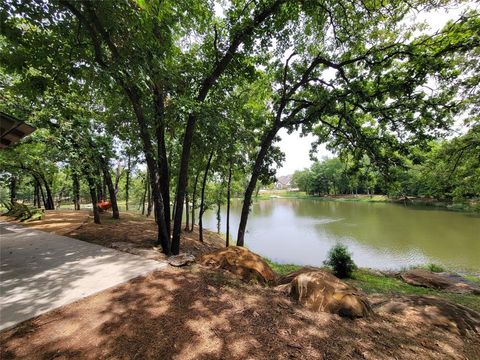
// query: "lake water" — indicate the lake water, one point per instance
point(380, 235)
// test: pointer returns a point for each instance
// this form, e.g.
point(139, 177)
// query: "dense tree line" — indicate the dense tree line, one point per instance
point(334, 177)
point(132, 187)
point(449, 170)
point(195, 93)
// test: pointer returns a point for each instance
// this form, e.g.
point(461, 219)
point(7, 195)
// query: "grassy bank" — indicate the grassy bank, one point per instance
point(375, 283)
point(282, 269)
point(468, 206)
point(371, 283)
point(357, 198)
point(283, 194)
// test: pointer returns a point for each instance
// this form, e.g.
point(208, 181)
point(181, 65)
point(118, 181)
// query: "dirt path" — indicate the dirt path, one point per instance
point(60, 222)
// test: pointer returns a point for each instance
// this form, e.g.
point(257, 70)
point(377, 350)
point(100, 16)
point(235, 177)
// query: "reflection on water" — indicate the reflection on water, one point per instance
point(380, 235)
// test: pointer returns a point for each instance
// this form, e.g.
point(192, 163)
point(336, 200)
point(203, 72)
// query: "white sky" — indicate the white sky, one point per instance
point(297, 148)
point(297, 152)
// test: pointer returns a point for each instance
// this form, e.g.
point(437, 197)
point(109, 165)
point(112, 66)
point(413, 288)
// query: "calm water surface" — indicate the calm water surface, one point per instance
point(380, 235)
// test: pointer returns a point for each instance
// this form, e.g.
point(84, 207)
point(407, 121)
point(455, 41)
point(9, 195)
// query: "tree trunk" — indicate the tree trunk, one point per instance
point(229, 185)
point(219, 218)
point(146, 185)
point(202, 200)
point(92, 186)
point(162, 158)
point(104, 186)
point(187, 213)
point(49, 204)
point(76, 190)
point(257, 190)
point(247, 199)
point(174, 207)
point(194, 199)
point(35, 194)
point(118, 176)
point(93, 196)
point(149, 200)
point(107, 181)
point(182, 182)
point(163, 233)
point(41, 191)
point(127, 182)
point(99, 192)
point(35, 189)
point(13, 189)
point(61, 194)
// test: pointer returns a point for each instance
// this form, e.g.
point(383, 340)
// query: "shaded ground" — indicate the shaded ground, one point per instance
point(200, 314)
point(60, 222)
point(141, 231)
point(196, 313)
point(132, 228)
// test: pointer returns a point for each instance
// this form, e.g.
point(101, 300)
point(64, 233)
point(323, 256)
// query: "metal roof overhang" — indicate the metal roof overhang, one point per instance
point(12, 130)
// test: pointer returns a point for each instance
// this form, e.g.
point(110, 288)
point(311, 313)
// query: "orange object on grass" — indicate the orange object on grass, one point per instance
point(104, 205)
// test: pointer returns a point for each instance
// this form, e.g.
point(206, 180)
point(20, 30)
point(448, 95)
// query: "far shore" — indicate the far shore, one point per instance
point(471, 205)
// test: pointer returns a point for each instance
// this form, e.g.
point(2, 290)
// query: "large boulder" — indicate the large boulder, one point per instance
point(440, 281)
point(181, 260)
point(319, 290)
point(240, 261)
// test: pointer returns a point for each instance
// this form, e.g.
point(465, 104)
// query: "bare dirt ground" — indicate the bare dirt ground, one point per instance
point(132, 228)
point(197, 313)
point(141, 231)
point(60, 222)
point(201, 314)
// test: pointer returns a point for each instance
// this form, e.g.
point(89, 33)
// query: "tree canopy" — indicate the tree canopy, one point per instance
point(181, 95)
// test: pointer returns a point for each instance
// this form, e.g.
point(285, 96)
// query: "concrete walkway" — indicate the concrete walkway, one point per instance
point(41, 271)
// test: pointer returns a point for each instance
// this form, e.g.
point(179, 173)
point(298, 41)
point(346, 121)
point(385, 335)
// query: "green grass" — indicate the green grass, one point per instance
point(360, 198)
point(284, 194)
point(472, 278)
point(282, 269)
point(434, 268)
point(267, 195)
point(372, 283)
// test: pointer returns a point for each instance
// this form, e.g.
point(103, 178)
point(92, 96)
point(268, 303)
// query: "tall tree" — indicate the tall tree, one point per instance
point(378, 102)
point(202, 198)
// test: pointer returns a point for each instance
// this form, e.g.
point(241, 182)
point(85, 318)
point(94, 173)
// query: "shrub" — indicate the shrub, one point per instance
point(435, 268)
point(22, 212)
point(340, 261)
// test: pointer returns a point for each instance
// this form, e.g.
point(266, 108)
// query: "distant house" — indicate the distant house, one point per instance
point(284, 182)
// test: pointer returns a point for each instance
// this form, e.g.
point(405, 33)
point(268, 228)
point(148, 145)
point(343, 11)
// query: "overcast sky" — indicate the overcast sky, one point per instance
point(297, 148)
